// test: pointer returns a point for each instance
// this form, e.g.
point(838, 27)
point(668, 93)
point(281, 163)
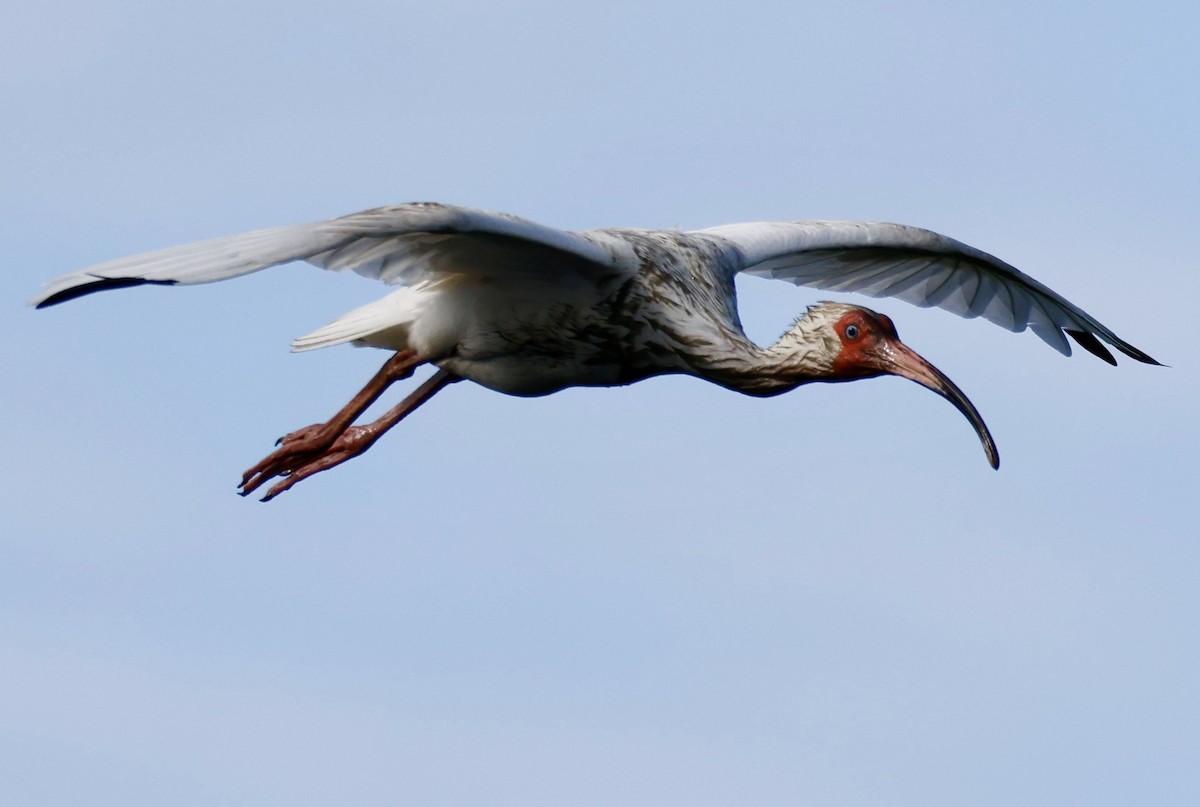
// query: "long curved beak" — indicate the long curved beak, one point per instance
point(897, 358)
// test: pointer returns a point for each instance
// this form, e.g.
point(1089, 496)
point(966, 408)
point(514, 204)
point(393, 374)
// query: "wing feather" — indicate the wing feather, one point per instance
point(400, 244)
point(940, 285)
point(920, 267)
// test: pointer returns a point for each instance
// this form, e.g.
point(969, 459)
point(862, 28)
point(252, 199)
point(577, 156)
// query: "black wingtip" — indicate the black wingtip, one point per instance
point(1091, 344)
point(99, 284)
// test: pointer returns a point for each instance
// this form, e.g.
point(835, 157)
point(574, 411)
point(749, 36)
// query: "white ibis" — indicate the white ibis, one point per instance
point(528, 310)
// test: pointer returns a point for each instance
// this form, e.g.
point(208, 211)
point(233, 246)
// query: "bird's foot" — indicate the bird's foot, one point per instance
point(294, 451)
point(315, 448)
point(352, 442)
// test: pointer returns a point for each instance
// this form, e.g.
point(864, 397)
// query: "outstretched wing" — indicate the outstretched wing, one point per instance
point(919, 267)
point(399, 244)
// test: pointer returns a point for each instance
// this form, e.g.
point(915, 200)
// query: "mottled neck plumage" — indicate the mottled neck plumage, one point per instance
point(802, 354)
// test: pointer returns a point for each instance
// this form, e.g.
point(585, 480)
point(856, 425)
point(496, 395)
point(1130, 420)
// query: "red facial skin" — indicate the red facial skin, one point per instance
point(871, 347)
point(858, 357)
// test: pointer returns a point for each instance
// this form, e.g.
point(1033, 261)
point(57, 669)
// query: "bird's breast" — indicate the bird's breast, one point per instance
point(534, 375)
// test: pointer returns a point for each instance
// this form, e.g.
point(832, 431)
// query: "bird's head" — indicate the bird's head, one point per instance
point(859, 343)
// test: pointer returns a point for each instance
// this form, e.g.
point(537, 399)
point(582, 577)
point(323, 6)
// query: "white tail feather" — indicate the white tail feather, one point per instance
point(387, 319)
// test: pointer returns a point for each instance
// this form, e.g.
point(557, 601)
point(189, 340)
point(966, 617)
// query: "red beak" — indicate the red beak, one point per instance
point(895, 357)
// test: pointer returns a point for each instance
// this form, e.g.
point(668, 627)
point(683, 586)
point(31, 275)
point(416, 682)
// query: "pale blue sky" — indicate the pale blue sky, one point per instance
point(664, 594)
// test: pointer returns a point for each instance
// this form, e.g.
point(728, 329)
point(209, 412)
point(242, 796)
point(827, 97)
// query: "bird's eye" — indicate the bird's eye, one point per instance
point(851, 331)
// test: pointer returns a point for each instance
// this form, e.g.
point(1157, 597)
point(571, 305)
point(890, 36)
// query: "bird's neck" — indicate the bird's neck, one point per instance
point(797, 358)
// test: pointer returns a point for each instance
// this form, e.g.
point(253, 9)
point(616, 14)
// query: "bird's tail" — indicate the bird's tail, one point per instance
point(383, 323)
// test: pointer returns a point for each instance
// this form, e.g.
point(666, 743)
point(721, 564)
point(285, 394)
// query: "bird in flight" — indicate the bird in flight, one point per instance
point(527, 310)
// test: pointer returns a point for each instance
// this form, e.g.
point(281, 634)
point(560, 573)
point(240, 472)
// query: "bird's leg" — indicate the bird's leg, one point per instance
point(296, 448)
point(357, 439)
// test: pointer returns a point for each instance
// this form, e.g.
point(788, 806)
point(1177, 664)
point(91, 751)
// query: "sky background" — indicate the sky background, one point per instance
point(662, 594)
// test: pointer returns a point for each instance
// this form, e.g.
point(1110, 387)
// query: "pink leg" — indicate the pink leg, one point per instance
point(298, 447)
point(357, 439)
